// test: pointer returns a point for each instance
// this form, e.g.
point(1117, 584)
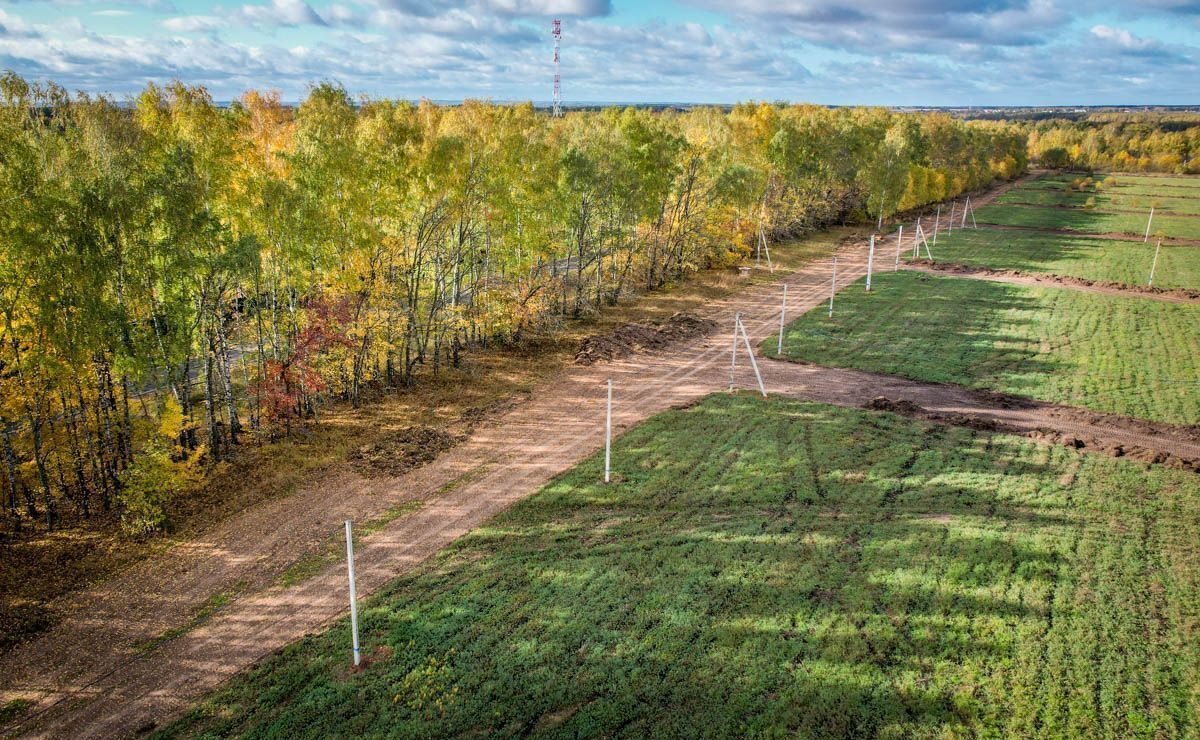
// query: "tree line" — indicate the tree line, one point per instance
point(177, 277)
point(1121, 142)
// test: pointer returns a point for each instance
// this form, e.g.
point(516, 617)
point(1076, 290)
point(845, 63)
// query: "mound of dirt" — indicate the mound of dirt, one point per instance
point(1050, 436)
point(402, 451)
point(908, 408)
point(1132, 452)
point(901, 406)
point(629, 338)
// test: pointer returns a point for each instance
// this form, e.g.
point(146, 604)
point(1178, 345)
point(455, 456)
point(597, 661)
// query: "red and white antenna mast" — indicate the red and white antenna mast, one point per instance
point(557, 89)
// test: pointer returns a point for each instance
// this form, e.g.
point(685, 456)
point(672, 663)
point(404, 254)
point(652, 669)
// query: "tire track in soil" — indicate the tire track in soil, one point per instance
point(1052, 280)
point(88, 680)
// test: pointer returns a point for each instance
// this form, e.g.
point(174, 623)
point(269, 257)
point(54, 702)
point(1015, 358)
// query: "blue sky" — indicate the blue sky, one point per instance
point(891, 52)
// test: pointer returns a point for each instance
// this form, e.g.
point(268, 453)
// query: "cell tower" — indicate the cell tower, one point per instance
point(557, 113)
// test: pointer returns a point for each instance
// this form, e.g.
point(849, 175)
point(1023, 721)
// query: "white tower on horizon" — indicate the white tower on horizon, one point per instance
point(557, 89)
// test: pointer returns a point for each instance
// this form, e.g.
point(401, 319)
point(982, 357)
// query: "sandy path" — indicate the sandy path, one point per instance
point(89, 680)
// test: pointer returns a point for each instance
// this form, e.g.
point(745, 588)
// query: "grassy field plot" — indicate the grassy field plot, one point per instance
point(779, 568)
point(1089, 222)
point(1102, 200)
point(1122, 184)
point(1127, 356)
point(1112, 260)
point(1154, 181)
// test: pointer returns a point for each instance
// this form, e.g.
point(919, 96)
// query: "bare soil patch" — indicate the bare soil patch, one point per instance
point(402, 451)
point(633, 337)
point(1174, 295)
point(1083, 442)
point(908, 408)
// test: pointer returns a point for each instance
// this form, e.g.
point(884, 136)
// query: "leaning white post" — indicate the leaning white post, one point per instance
point(832, 287)
point(1154, 265)
point(1148, 222)
point(937, 223)
point(950, 223)
point(870, 262)
point(899, 237)
point(916, 240)
point(608, 435)
point(753, 362)
point(782, 311)
point(737, 320)
point(353, 592)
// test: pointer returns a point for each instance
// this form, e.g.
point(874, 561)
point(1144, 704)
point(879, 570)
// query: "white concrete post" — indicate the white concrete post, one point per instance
point(782, 312)
point(870, 262)
point(608, 435)
point(899, 237)
point(353, 592)
point(1148, 222)
point(937, 223)
point(950, 224)
point(737, 320)
point(966, 207)
point(1154, 265)
point(832, 287)
point(753, 362)
point(916, 240)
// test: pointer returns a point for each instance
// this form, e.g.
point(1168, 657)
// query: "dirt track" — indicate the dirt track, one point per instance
point(89, 678)
point(1016, 277)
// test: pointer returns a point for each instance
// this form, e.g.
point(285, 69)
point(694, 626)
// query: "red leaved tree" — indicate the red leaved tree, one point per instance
point(287, 385)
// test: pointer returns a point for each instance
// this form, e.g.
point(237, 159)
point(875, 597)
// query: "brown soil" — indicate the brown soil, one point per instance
point(630, 338)
point(1171, 295)
point(402, 451)
point(1090, 443)
point(910, 409)
point(91, 676)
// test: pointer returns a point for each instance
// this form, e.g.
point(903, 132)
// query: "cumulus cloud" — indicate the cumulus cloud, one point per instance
point(905, 52)
point(901, 25)
point(281, 13)
point(192, 23)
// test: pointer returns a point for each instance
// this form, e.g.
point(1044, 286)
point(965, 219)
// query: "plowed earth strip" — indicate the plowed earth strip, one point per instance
point(89, 678)
point(1017, 277)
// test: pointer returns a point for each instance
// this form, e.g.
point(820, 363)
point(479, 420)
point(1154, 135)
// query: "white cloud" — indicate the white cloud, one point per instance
point(192, 23)
point(281, 13)
point(1121, 37)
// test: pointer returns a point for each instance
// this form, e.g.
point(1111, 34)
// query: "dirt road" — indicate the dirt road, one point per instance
point(97, 674)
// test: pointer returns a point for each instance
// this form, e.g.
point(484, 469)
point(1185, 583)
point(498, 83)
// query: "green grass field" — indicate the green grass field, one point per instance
point(779, 568)
point(1123, 179)
point(1133, 185)
point(1112, 260)
point(1103, 200)
point(1129, 356)
point(1089, 222)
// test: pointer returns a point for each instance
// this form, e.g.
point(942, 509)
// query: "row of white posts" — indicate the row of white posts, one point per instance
point(739, 333)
